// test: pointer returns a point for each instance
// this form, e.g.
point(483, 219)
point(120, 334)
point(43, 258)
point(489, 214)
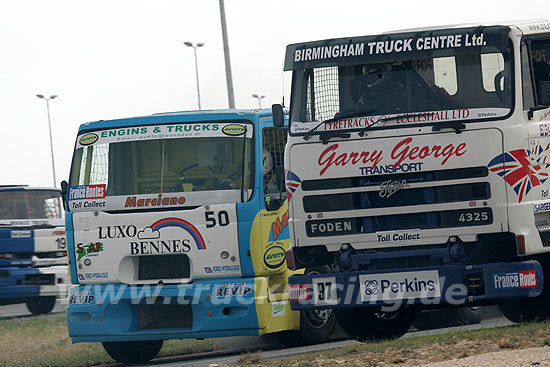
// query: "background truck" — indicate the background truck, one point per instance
point(33, 255)
point(426, 178)
point(177, 227)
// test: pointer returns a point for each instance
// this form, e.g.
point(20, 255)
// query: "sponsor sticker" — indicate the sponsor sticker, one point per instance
point(398, 286)
point(81, 298)
point(21, 234)
point(88, 139)
point(232, 290)
point(278, 308)
point(92, 249)
point(542, 207)
point(87, 192)
point(398, 237)
point(93, 276)
point(234, 130)
point(299, 292)
point(274, 257)
point(222, 269)
point(515, 280)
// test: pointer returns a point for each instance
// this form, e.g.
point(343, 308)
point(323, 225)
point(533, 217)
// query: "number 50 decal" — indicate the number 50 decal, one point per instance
point(222, 219)
point(324, 291)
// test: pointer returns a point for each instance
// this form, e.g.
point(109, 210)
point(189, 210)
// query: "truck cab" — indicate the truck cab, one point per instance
point(427, 184)
point(177, 228)
point(33, 254)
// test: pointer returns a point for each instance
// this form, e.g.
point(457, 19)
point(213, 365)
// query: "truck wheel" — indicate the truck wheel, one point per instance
point(316, 326)
point(367, 324)
point(41, 305)
point(530, 309)
point(133, 352)
point(527, 310)
point(469, 315)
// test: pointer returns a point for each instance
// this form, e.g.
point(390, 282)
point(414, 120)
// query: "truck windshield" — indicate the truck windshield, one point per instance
point(30, 204)
point(465, 75)
point(159, 166)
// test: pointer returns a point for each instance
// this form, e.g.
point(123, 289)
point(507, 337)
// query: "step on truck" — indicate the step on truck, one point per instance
point(33, 253)
point(177, 227)
point(419, 165)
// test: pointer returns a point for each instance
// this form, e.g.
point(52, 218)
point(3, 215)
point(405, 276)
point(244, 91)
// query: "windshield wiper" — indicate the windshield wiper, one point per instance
point(363, 131)
point(309, 134)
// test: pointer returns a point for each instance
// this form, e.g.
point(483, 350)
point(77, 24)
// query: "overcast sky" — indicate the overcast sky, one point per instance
point(123, 58)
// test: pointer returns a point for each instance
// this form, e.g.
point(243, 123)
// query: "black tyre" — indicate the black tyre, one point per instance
point(41, 305)
point(368, 324)
point(531, 309)
point(133, 352)
point(437, 319)
point(527, 310)
point(469, 315)
point(316, 326)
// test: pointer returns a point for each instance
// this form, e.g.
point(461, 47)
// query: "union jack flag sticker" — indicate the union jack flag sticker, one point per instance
point(292, 183)
point(522, 169)
point(544, 130)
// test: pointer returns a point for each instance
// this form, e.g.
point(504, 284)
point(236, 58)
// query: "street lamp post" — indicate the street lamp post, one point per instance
point(200, 44)
point(50, 128)
point(259, 98)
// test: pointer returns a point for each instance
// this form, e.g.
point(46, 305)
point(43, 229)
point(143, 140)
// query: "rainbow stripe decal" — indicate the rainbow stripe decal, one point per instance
point(177, 222)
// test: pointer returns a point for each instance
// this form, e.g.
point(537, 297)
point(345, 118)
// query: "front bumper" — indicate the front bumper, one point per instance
point(445, 285)
point(203, 309)
point(17, 283)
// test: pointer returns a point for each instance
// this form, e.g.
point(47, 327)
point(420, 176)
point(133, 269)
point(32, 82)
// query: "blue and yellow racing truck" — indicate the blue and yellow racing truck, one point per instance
point(177, 227)
point(33, 255)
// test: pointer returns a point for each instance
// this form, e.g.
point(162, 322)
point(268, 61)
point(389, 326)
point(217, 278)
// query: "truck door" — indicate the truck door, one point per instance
point(269, 250)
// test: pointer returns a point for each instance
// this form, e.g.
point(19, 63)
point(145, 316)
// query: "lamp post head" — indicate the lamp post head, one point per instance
point(200, 44)
point(255, 96)
point(40, 96)
point(188, 44)
point(53, 96)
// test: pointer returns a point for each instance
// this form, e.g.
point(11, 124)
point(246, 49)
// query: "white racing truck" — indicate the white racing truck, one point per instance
point(418, 163)
point(33, 253)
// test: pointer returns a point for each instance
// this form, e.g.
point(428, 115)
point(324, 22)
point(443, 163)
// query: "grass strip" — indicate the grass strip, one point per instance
point(44, 341)
point(418, 350)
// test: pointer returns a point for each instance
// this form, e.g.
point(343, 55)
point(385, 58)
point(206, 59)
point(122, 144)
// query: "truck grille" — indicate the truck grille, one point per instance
point(40, 279)
point(170, 316)
point(404, 197)
point(414, 177)
point(163, 267)
point(371, 192)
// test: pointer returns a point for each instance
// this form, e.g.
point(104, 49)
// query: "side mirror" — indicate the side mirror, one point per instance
point(278, 115)
point(544, 93)
point(64, 191)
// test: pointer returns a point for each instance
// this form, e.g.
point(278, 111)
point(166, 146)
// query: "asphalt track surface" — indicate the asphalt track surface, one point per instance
point(19, 310)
